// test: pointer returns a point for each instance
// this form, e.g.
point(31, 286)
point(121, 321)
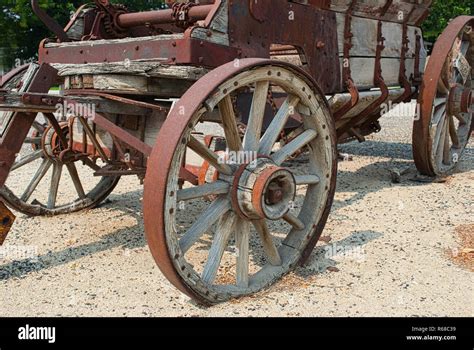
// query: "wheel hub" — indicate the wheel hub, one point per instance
point(52, 147)
point(263, 190)
point(460, 100)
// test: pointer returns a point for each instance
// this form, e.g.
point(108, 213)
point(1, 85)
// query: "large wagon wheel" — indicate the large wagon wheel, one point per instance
point(241, 232)
point(441, 133)
point(56, 183)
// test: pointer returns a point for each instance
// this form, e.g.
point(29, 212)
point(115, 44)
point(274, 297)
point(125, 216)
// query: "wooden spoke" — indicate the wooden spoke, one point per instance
point(446, 143)
point(267, 241)
point(307, 179)
point(94, 141)
point(242, 237)
point(39, 127)
point(40, 173)
point(439, 114)
point(439, 138)
point(294, 221)
point(214, 188)
point(453, 133)
point(53, 191)
point(299, 142)
point(277, 125)
point(439, 101)
point(221, 239)
point(27, 159)
point(204, 223)
point(465, 47)
point(257, 112)
point(91, 164)
point(461, 119)
point(33, 140)
point(208, 155)
point(57, 128)
point(71, 167)
point(229, 122)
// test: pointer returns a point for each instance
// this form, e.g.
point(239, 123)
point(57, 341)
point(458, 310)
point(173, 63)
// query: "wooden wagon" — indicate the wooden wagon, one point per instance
point(230, 112)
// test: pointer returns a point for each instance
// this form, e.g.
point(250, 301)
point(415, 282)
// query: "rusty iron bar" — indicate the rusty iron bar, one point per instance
point(116, 98)
point(49, 21)
point(407, 87)
point(117, 131)
point(402, 72)
point(346, 70)
point(6, 221)
point(128, 20)
point(378, 82)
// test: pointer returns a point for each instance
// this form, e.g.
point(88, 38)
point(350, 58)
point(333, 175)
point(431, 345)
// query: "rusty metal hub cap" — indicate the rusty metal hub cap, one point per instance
point(50, 142)
point(263, 190)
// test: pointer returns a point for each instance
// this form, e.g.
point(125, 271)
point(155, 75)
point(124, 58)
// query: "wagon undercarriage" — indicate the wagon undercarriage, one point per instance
point(209, 105)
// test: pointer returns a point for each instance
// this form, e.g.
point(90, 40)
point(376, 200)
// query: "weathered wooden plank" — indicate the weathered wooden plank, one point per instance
point(362, 69)
point(365, 37)
point(396, 12)
point(116, 41)
point(146, 68)
point(218, 28)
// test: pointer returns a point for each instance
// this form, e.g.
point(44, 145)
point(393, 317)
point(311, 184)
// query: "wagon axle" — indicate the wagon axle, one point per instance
point(264, 191)
point(460, 100)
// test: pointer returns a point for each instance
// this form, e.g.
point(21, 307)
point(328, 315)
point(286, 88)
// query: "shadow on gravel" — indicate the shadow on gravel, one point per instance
point(398, 151)
point(371, 178)
point(124, 238)
point(378, 149)
point(326, 256)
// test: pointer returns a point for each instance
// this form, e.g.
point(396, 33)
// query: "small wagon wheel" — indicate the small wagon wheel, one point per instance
point(59, 182)
point(239, 233)
point(442, 131)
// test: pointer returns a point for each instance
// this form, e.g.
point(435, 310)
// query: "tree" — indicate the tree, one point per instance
point(21, 31)
point(442, 11)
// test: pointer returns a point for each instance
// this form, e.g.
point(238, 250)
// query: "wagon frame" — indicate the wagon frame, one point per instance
point(145, 93)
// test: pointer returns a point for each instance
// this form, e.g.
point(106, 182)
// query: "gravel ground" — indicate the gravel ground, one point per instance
point(386, 251)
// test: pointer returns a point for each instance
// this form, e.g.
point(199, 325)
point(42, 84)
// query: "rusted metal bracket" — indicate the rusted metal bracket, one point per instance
point(378, 82)
point(49, 22)
point(116, 98)
point(41, 99)
point(407, 93)
point(117, 131)
point(417, 79)
point(6, 221)
point(346, 66)
point(384, 9)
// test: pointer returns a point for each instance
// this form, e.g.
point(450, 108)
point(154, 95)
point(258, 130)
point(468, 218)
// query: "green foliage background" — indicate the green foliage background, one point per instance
point(442, 11)
point(21, 31)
